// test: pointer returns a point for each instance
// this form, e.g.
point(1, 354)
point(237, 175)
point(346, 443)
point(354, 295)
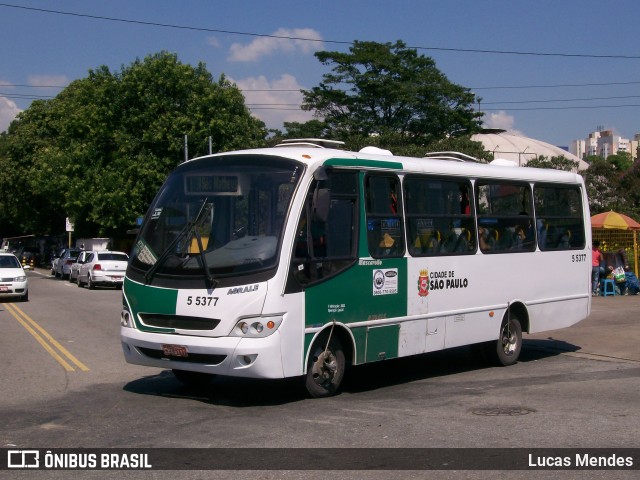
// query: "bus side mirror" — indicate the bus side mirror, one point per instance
point(320, 174)
point(321, 203)
point(321, 196)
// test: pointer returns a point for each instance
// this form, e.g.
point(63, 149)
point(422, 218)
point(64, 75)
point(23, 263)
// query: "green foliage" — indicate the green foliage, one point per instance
point(613, 184)
point(602, 184)
point(629, 183)
point(99, 151)
point(621, 161)
point(389, 90)
point(557, 163)
point(310, 129)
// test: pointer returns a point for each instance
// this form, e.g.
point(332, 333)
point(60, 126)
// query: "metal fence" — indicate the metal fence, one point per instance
point(612, 240)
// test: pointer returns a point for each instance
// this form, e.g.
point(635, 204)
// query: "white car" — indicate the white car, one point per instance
point(103, 268)
point(13, 279)
point(75, 266)
point(61, 265)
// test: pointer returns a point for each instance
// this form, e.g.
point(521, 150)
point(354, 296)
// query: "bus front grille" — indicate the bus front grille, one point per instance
point(180, 322)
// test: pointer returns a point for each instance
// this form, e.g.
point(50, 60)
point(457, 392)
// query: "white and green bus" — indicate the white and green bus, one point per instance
point(302, 260)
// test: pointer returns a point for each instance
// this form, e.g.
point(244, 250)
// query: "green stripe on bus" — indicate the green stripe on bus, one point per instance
point(147, 299)
point(352, 297)
point(358, 162)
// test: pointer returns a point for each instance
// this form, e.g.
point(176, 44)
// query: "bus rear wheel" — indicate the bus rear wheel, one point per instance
point(193, 379)
point(326, 368)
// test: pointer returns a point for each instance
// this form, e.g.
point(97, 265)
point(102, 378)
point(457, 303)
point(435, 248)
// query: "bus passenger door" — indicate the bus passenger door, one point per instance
point(326, 234)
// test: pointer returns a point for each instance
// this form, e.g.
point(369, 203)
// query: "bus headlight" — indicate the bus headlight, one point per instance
point(256, 327)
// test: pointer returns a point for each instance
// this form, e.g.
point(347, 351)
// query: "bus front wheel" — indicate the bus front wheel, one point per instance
point(326, 368)
point(509, 344)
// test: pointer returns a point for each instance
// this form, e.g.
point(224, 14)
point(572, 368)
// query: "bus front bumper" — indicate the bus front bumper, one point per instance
point(230, 356)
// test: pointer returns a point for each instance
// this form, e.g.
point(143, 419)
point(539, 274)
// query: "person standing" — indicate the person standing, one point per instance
point(596, 260)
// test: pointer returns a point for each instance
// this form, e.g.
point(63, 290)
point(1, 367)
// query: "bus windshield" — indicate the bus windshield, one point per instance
point(217, 217)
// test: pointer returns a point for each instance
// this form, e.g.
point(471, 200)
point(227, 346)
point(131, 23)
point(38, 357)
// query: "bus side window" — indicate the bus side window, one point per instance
point(384, 222)
point(438, 215)
point(505, 219)
point(559, 217)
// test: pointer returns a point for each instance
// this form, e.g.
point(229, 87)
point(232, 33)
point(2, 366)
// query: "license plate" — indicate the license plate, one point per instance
point(4, 289)
point(116, 278)
point(174, 351)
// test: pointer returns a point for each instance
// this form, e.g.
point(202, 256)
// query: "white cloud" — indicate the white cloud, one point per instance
point(213, 42)
point(501, 120)
point(265, 46)
point(48, 80)
point(8, 111)
point(274, 101)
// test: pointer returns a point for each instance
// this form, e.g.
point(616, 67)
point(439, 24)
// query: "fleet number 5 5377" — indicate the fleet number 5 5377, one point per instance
point(202, 301)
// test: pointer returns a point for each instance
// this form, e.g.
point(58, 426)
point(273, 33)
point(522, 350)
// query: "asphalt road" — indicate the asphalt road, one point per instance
point(572, 388)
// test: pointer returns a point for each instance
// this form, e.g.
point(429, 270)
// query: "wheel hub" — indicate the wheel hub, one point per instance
point(508, 341)
point(324, 368)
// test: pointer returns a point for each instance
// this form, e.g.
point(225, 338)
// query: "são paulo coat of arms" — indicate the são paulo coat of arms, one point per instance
point(423, 283)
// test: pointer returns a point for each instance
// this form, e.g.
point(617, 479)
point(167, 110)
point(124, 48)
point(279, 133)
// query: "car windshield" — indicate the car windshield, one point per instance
point(7, 261)
point(217, 217)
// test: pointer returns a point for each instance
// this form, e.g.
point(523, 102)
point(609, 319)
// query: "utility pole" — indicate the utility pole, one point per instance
point(186, 148)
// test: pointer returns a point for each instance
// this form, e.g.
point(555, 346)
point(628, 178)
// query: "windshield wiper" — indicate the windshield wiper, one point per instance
point(189, 226)
point(210, 281)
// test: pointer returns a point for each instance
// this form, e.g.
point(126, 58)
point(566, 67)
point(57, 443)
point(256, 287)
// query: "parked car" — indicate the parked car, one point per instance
point(61, 265)
point(103, 268)
point(75, 266)
point(13, 279)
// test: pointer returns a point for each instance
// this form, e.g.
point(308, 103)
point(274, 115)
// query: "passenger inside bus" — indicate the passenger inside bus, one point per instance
point(486, 239)
point(463, 243)
point(427, 242)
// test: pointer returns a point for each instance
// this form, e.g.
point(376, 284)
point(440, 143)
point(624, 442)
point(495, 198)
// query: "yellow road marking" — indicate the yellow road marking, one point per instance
point(27, 322)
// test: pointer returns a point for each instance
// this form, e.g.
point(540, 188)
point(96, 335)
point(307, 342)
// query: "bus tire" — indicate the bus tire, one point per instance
point(325, 369)
point(193, 379)
point(507, 347)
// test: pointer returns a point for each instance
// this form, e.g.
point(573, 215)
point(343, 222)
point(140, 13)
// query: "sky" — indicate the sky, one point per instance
point(551, 70)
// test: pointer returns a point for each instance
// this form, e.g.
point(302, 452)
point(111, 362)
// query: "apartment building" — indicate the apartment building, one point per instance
point(603, 143)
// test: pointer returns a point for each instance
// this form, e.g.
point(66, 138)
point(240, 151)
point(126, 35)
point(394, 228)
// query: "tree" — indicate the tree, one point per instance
point(99, 151)
point(559, 162)
point(602, 184)
point(389, 90)
point(311, 129)
point(621, 161)
point(629, 183)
